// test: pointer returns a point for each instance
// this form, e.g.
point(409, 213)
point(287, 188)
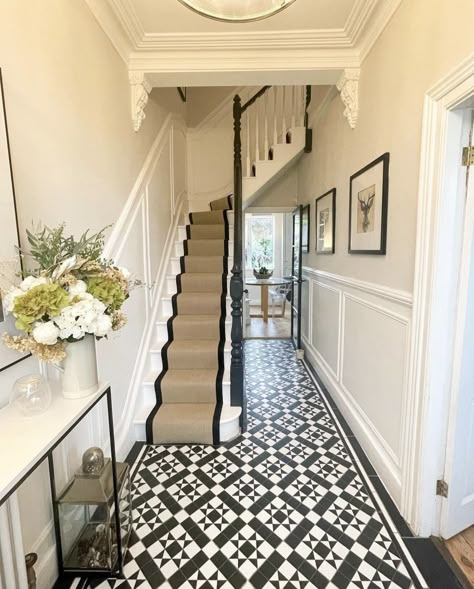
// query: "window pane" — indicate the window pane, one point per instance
point(261, 241)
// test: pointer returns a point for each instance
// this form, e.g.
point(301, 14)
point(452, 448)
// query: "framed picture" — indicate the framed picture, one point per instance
point(368, 208)
point(325, 211)
point(305, 229)
point(9, 235)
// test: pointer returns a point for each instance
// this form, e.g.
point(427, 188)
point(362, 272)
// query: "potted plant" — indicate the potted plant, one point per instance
point(72, 297)
point(262, 273)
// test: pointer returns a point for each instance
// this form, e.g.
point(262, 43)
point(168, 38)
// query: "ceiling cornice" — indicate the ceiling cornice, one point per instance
point(366, 21)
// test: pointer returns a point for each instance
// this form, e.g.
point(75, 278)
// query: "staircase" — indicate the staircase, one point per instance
point(194, 392)
point(274, 136)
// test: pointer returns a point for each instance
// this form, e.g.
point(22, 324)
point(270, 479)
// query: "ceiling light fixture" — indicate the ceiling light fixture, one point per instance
point(237, 11)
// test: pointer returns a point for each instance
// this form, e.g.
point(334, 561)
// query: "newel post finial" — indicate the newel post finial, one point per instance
point(140, 88)
point(348, 86)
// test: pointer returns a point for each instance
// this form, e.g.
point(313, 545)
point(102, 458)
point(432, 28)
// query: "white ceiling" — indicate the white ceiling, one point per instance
point(170, 16)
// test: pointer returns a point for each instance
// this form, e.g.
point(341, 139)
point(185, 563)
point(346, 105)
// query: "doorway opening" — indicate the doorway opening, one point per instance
point(268, 263)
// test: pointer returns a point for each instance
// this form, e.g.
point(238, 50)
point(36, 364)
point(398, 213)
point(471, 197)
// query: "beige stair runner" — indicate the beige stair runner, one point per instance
point(189, 388)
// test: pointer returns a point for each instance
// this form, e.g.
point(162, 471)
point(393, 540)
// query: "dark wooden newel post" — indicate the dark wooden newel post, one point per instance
point(236, 282)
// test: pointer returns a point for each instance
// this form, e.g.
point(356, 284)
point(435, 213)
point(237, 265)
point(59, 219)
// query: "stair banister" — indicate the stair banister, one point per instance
point(236, 281)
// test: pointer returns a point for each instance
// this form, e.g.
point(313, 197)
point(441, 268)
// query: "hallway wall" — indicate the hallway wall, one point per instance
point(77, 159)
point(358, 308)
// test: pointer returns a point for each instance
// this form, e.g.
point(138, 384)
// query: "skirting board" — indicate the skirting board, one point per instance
point(382, 460)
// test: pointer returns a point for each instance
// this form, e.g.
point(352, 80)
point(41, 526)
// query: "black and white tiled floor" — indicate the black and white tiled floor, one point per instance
point(286, 506)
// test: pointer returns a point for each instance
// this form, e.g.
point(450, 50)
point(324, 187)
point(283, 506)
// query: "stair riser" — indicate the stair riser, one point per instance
point(182, 234)
point(171, 287)
point(174, 267)
point(162, 331)
point(179, 250)
point(228, 431)
point(149, 395)
point(166, 309)
point(157, 364)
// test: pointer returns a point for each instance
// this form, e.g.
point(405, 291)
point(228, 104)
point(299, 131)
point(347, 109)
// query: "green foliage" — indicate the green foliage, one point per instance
point(44, 300)
point(49, 247)
point(107, 291)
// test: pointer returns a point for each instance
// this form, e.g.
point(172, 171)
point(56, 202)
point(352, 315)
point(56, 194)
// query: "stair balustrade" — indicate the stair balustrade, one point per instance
point(269, 117)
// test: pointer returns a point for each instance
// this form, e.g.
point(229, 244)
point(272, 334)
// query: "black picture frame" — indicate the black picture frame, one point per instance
point(305, 229)
point(8, 363)
point(331, 193)
point(381, 185)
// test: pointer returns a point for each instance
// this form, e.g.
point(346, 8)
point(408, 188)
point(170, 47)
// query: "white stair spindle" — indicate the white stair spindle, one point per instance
point(293, 107)
point(275, 115)
point(257, 133)
point(297, 105)
point(247, 141)
point(303, 104)
point(283, 115)
point(265, 115)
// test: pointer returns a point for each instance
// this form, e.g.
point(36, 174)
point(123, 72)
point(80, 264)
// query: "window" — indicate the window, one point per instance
point(259, 241)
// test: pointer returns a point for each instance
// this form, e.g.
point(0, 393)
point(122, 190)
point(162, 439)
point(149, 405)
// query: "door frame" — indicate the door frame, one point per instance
point(427, 403)
point(299, 279)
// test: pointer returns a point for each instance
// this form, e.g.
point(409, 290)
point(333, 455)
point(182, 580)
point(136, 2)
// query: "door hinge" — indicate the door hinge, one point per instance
point(468, 156)
point(442, 488)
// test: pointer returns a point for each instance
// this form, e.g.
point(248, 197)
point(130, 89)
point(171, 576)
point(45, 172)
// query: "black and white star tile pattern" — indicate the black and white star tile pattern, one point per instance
point(282, 507)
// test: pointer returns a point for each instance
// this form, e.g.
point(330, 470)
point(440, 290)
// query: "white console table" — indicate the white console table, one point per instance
point(26, 441)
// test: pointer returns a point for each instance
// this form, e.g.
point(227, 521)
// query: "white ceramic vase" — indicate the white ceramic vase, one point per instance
point(80, 377)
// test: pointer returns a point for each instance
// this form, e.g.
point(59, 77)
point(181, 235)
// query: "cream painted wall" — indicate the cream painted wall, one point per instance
point(76, 159)
point(364, 302)
point(283, 193)
point(203, 100)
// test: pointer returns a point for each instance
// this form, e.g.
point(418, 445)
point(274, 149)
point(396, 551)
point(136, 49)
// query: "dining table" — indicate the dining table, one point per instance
point(264, 284)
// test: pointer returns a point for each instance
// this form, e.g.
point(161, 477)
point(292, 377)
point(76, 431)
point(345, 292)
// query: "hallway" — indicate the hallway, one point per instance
point(285, 506)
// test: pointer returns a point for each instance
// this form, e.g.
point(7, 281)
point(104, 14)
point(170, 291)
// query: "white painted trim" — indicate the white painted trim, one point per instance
point(424, 438)
point(390, 294)
point(340, 333)
point(237, 51)
point(385, 459)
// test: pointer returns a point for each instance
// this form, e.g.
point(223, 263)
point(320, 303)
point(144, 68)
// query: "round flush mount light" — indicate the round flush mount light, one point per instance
point(237, 11)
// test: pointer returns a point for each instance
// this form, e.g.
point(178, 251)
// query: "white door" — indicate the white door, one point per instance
point(458, 508)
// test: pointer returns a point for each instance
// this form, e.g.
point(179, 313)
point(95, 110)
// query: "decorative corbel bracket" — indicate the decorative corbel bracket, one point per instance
point(348, 86)
point(140, 88)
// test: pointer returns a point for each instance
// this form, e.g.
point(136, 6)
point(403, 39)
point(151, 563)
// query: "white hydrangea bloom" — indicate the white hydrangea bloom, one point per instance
point(78, 289)
point(9, 298)
point(85, 316)
point(126, 273)
point(104, 325)
point(46, 333)
point(30, 282)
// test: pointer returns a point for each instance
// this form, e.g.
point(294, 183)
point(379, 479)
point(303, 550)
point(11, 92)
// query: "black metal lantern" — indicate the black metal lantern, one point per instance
point(86, 512)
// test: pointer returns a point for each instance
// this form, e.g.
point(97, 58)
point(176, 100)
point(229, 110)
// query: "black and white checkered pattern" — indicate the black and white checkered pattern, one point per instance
point(282, 507)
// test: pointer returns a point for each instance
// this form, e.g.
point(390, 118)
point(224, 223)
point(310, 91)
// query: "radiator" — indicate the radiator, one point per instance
point(12, 557)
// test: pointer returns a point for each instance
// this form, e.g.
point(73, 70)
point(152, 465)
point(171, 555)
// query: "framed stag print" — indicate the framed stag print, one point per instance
point(368, 208)
point(325, 210)
point(10, 263)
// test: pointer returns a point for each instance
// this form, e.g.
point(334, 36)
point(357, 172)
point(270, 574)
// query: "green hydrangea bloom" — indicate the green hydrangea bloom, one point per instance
point(107, 291)
point(44, 300)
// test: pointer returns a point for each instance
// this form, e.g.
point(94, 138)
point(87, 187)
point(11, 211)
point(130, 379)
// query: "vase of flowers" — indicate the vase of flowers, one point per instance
point(70, 299)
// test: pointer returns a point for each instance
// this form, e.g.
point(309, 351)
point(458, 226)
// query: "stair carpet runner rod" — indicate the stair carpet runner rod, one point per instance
point(189, 388)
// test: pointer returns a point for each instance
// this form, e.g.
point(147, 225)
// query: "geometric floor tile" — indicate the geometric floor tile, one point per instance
point(282, 507)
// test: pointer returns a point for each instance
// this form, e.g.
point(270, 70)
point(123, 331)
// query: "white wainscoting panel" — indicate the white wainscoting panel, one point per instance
point(326, 314)
point(357, 340)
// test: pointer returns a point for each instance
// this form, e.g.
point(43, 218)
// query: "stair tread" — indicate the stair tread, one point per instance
point(228, 413)
point(151, 377)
